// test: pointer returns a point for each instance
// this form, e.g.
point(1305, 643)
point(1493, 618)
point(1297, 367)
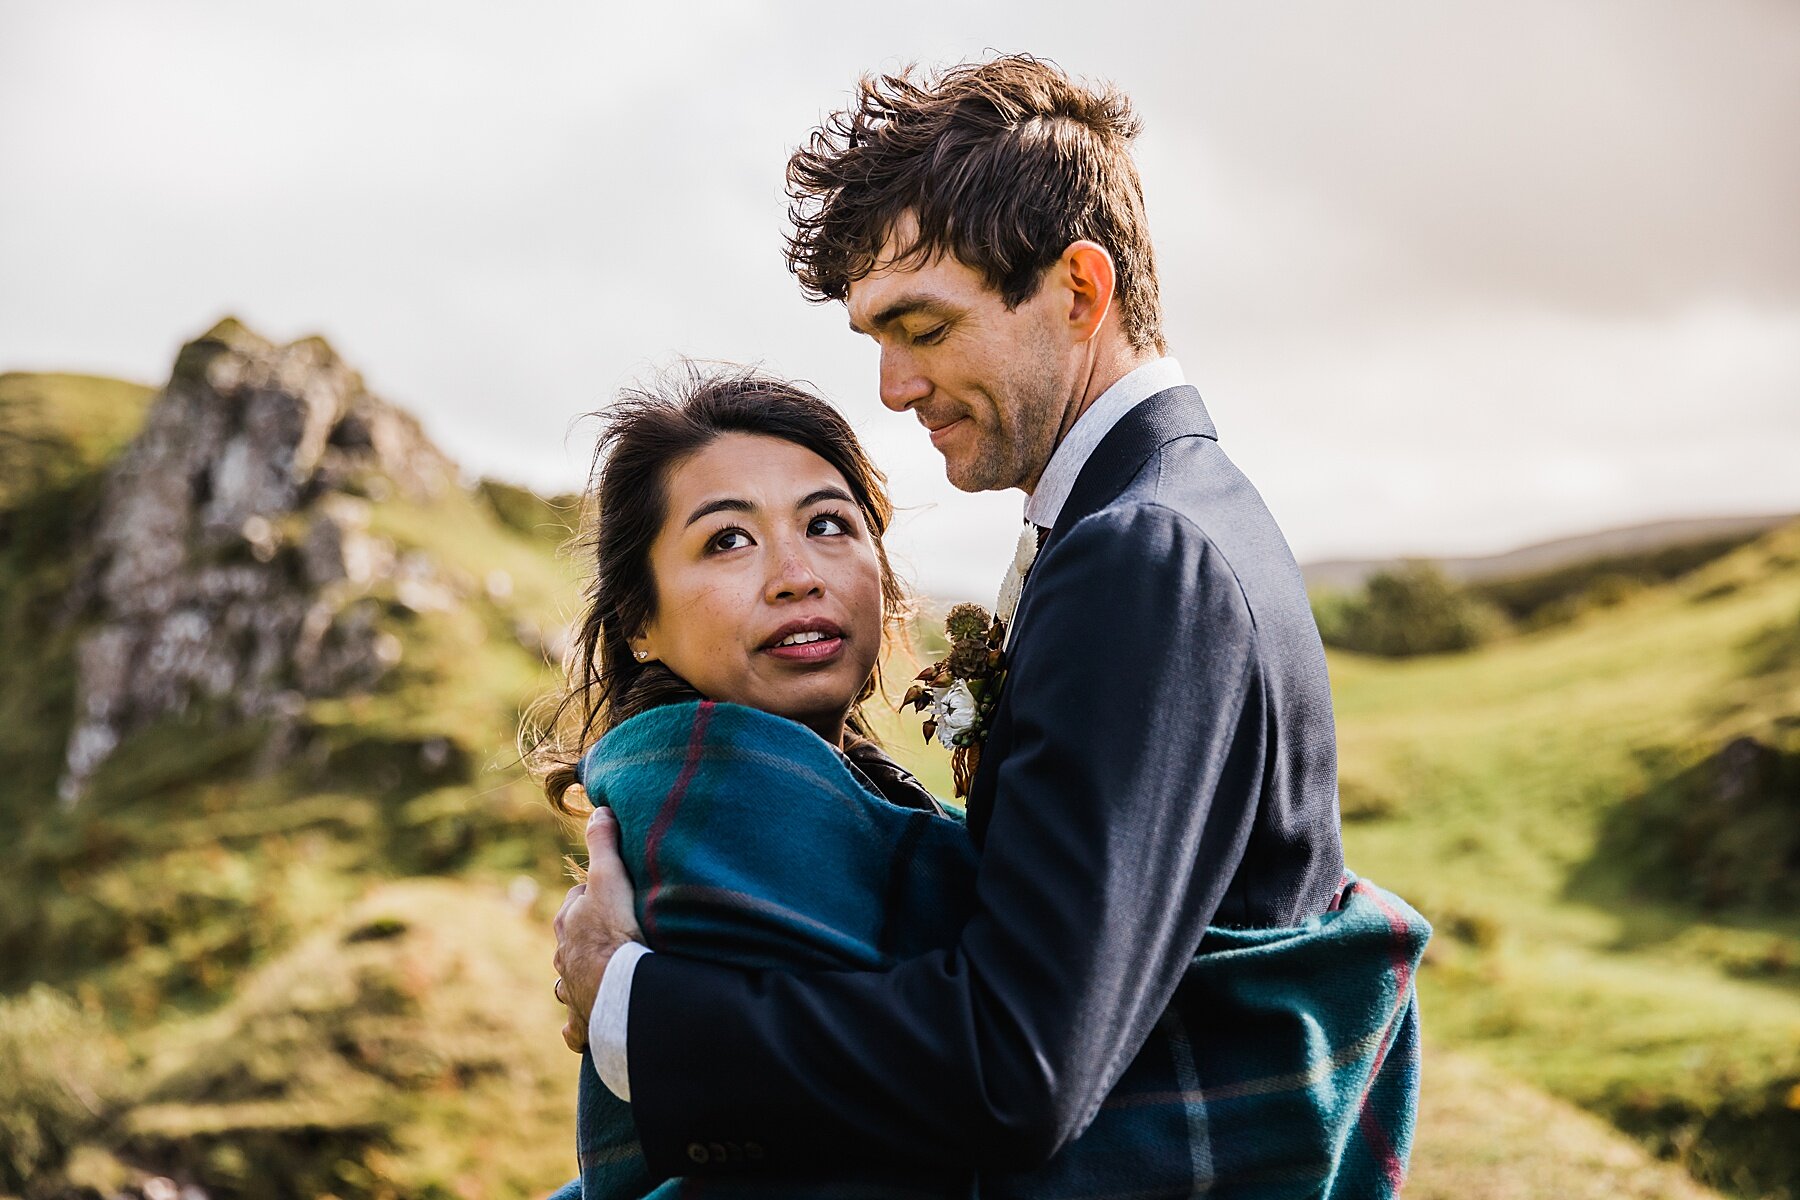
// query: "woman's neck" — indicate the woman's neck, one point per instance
point(831, 728)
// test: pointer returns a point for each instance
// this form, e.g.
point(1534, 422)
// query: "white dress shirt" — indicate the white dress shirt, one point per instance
point(1046, 501)
point(612, 1006)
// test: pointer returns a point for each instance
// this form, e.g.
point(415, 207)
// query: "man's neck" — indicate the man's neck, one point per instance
point(1110, 364)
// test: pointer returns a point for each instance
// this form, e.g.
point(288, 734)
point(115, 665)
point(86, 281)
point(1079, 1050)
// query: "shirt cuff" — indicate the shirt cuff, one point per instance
point(606, 1024)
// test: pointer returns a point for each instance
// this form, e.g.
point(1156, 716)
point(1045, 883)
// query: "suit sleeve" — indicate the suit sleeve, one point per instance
point(1119, 817)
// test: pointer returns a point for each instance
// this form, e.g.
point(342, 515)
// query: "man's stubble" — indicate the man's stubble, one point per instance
point(1031, 398)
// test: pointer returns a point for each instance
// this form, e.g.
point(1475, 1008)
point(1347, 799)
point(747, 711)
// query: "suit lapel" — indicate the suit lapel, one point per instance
point(1121, 454)
point(1160, 419)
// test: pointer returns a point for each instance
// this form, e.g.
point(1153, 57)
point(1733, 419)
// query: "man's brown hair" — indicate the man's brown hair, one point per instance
point(1003, 164)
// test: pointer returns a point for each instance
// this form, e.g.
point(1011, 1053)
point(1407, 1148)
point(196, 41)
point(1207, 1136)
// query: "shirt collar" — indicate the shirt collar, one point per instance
point(1045, 504)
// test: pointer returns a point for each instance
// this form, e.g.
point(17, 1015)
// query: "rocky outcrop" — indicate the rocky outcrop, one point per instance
point(232, 566)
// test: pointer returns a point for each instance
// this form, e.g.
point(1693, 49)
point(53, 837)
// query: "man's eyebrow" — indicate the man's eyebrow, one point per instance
point(723, 504)
point(905, 306)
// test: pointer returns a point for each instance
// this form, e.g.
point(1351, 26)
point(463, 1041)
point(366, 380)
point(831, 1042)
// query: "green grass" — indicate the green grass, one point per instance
point(197, 886)
point(1499, 768)
point(1477, 785)
point(56, 426)
point(197, 869)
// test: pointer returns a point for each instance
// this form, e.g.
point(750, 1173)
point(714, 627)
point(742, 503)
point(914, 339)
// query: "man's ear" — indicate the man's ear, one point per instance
point(1088, 272)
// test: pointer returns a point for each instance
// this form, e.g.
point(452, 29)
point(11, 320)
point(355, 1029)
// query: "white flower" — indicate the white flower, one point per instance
point(954, 708)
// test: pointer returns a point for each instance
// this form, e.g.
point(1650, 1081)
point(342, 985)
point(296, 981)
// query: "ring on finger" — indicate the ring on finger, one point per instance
point(557, 988)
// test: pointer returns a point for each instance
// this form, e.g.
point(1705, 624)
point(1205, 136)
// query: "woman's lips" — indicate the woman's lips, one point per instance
point(808, 640)
point(808, 652)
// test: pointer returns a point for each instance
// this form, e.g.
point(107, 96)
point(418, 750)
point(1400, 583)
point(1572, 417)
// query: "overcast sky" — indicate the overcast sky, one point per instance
point(1451, 277)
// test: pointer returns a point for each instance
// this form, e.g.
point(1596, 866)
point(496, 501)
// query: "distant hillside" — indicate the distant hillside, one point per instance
point(275, 893)
point(53, 426)
point(1603, 821)
point(260, 655)
point(1629, 541)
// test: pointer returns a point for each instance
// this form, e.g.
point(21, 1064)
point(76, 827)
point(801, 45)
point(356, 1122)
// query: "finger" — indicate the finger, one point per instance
point(575, 1034)
point(602, 836)
point(575, 893)
point(610, 881)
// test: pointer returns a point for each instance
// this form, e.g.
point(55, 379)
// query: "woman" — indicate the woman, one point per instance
point(676, 613)
point(735, 624)
point(738, 558)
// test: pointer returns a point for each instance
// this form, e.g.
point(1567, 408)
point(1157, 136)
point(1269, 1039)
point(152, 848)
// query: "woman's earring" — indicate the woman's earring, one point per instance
point(641, 654)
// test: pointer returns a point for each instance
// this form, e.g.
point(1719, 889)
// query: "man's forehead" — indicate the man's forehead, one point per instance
point(886, 294)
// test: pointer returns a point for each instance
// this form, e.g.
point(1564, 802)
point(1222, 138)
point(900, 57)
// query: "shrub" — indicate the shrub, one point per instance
point(1722, 834)
point(1413, 609)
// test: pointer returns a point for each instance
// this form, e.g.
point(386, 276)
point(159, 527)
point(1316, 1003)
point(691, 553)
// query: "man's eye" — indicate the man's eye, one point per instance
point(728, 539)
point(827, 525)
point(931, 336)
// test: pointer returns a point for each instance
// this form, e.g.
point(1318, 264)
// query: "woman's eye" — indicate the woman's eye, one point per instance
point(728, 539)
point(827, 525)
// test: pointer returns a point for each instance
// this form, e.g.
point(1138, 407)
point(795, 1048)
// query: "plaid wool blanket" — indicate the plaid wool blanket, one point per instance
point(753, 844)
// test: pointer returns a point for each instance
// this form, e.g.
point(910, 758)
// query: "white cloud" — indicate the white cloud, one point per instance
point(1448, 276)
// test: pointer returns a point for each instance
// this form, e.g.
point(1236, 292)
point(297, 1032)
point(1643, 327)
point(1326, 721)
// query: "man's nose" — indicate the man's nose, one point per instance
point(793, 576)
point(902, 383)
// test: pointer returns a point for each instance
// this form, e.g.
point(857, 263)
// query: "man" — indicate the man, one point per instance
point(1162, 757)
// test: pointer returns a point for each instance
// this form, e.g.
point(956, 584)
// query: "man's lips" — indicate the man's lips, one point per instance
point(939, 432)
point(810, 640)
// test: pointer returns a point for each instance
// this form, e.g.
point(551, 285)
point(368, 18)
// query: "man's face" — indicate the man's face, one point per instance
point(994, 387)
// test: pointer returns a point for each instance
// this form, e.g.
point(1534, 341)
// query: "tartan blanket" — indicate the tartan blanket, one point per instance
point(1300, 1081)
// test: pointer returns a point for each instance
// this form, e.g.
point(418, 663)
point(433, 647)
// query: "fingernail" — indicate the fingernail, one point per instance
point(599, 815)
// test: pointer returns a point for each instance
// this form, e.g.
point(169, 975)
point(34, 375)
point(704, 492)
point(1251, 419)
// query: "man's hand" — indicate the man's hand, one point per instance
point(597, 917)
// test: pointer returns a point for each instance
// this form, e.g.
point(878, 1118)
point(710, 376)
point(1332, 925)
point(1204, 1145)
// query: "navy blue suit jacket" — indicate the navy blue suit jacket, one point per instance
point(1162, 758)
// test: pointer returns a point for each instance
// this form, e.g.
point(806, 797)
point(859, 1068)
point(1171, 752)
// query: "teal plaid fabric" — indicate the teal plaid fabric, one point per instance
point(754, 844)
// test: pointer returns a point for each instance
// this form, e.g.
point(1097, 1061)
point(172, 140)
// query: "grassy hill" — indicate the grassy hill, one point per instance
point(318, 971)
point(325, 971)
point(1610, 928)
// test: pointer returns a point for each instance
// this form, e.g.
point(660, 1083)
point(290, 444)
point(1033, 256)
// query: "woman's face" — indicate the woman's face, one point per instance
point(768, 589)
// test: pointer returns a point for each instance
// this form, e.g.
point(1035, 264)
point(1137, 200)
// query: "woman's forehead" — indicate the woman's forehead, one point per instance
point(766, 471)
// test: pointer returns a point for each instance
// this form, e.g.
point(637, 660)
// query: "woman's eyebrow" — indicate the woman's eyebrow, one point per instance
point(723, 504)
point(824, 493)
point(733, 504)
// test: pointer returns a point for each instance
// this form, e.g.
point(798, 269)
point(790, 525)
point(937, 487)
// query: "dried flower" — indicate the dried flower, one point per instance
point(967, 621)
point(961, 689)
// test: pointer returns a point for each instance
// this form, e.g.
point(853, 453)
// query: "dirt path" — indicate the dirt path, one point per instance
point(1485, 1136)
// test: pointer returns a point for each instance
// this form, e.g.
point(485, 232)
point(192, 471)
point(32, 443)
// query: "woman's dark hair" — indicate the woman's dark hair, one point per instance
point(1004, 164)
point(644, 436)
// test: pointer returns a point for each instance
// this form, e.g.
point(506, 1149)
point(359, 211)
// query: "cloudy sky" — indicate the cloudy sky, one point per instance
point(1451, 277)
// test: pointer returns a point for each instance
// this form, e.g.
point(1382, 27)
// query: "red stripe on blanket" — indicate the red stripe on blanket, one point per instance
point(665, 816)
point(1380, 1147)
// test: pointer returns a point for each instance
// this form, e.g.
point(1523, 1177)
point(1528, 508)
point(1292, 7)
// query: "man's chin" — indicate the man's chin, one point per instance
point(974, 477)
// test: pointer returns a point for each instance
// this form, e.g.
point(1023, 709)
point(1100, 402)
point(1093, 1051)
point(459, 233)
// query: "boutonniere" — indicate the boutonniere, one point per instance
point(962, 689)
point(1013, 586)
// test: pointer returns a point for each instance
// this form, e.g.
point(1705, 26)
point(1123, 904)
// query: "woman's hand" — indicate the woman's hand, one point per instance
point(596, 918)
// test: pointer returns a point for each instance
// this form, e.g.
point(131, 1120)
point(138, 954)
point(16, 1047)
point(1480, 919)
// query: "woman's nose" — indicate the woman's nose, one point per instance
point(902, 383)
point(793, 576)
